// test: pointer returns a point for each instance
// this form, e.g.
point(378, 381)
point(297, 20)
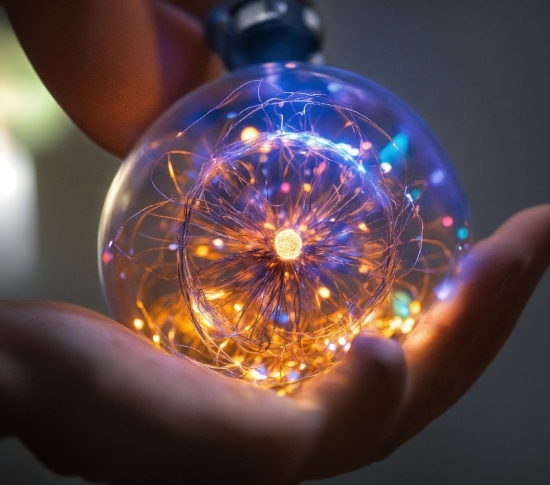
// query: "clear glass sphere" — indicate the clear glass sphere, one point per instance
point(272, 214)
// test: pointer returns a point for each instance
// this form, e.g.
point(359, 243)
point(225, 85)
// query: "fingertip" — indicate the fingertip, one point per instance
point(368, 345)
point(358, 402)
point(520, 242)
point(377, 361)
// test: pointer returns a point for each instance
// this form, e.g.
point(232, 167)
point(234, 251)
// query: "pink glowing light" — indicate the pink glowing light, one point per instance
point(285, 187)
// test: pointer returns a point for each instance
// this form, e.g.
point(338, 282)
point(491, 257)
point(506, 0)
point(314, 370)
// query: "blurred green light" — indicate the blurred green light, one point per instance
point(26, 106)
point(400, 304)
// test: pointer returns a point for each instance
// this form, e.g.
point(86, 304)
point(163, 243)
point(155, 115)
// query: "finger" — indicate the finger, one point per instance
point(458, 338)
point(94, 399)
point(357, 403)
point(114, 67)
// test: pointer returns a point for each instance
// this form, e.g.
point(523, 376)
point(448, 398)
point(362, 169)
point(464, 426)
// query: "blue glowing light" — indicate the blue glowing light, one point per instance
point(437, 177)
point(415, 194)
point(462, 233)
point(443, 291)
point(396, 150)
point(284, 318)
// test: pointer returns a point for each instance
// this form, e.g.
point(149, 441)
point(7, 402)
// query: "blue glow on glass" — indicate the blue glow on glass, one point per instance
point(334, 87)
point(437, 177)
point(443, 291)
point(415, 194)
point(391, 154)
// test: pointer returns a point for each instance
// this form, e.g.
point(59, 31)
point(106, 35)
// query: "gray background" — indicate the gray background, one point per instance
point(478, 72)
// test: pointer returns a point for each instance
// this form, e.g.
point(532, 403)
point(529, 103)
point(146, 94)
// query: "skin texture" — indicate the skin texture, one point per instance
point(114, 66)
point(91, 398)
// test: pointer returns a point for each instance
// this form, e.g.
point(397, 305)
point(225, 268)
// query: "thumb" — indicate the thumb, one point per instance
point(357, 402)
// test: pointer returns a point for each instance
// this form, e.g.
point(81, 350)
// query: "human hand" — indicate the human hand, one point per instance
point(114, 67)
point(91, 398)
point(110, 416)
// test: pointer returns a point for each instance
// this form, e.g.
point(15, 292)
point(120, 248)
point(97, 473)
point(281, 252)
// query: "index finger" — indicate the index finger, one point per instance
point(458, 338)
point(114, 67)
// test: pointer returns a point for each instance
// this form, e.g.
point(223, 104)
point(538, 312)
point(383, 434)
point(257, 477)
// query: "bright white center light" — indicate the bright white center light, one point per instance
point(288, 244)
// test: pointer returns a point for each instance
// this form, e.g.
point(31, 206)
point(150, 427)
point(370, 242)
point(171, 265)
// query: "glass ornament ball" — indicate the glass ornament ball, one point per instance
point(271, 215)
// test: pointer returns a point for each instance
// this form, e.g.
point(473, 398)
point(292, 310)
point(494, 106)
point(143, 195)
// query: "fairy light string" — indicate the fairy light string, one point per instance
point(297, 232)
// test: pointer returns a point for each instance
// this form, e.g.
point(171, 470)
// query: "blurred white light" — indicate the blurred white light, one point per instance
point(8, 178)
point(18, 213)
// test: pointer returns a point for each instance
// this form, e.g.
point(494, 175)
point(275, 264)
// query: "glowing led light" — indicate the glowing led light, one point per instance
point(415, 194)
point(437, 177)
point(156, 338)
point(285, 187)
point(462, 233)
point(324, 292)
point(138, 323)
point(203, 250)
point(288, 244)
point(407, 325)
point(396, 149)
point(307, 187)
point(293, 375)
point(400, 304)
point(385, 167)
point(443, 291)
point(283, 318)
point(238, 307)
point(257, 375)
point(415, 307)
point(447, 221)
point(249, 133)
point(396, 323)
point(218, 242)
